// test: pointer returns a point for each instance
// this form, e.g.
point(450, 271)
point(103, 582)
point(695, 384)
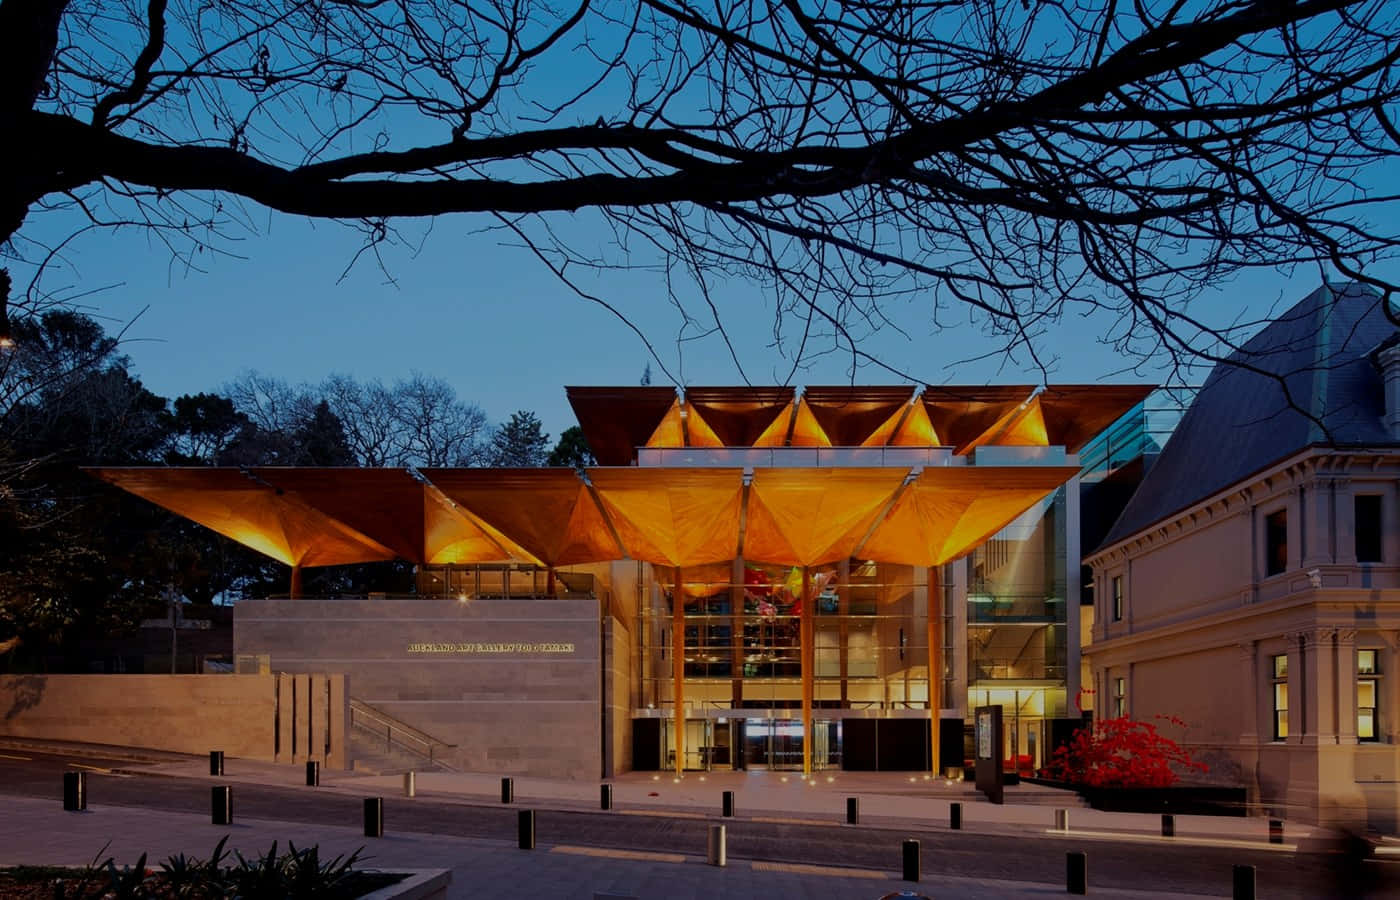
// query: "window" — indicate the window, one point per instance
point(1120, 697)
point(1117, 593)
point(1280, 682)
point(1368, 527)
point(1276, 546)
point(1367, 687)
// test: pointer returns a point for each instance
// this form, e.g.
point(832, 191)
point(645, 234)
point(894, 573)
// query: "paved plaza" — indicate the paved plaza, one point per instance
point(650, 846)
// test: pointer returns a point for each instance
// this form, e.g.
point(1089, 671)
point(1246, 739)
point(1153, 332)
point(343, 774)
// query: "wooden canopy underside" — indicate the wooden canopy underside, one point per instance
point(556, 517)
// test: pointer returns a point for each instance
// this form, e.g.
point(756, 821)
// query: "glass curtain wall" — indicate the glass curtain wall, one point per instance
point(1016, 628)
point(743, 654)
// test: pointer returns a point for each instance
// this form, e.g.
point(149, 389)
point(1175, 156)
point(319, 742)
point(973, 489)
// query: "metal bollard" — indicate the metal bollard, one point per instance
point(507, 790)
point(374, 817)
point(1243, 879)
point(313, 773)
point(410, 785)
point(74, 791)
point(715, 853)
point(221, 799)
point(955, 816)
point(1062, 820)
point(1168, 825)
point(726, 803)
point(852, 810)
point(1276, 831)
point(526, 827)
point(605, 796)
point(216, 762)
point(911, 860)
point(1076, 872)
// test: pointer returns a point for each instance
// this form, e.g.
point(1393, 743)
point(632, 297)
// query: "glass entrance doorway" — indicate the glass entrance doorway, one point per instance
point(773, 744)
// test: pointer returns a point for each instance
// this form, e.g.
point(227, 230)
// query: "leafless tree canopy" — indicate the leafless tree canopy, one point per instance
point(1021, 161)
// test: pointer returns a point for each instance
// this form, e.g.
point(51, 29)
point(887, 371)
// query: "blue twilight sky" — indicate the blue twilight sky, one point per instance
point(487, 317)
point(503, 331)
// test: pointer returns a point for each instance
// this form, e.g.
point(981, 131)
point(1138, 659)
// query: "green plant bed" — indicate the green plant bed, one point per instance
point(296, 872)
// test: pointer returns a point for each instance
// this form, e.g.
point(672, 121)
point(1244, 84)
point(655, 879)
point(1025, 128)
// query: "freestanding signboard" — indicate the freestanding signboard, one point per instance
point(990, 778)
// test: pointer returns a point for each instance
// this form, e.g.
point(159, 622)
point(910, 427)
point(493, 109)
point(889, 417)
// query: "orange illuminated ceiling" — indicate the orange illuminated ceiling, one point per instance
point(616, 421)
point(850, 416)
point(946, 512)
point(671, 517)
point(738, 415)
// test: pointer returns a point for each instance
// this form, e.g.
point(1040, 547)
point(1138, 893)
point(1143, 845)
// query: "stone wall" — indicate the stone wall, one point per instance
point(180, 713)
point(617, 684)
point(514, 684)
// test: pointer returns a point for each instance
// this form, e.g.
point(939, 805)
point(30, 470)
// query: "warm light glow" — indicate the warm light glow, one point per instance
point(6, 342)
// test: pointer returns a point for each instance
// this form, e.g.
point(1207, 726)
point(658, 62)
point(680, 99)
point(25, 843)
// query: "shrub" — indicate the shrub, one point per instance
point(1124, 753)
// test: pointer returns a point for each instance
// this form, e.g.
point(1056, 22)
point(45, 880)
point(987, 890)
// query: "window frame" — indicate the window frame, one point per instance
point(1371, 676)
point(1279, 679)
point(1115, 596)
point(1378, 535)
point(1120, 697)
point(1275, 561)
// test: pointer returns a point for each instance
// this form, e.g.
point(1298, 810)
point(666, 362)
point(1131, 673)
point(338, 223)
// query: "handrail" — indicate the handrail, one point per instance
point(365, 711)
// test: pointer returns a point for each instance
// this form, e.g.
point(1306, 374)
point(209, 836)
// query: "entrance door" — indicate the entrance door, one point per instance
point(773, 744)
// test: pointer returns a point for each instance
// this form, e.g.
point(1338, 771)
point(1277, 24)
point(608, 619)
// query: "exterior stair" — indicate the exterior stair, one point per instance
point(383, 745)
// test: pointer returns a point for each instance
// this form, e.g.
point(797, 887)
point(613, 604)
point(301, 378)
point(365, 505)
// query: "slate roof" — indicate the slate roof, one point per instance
point(1241, 422)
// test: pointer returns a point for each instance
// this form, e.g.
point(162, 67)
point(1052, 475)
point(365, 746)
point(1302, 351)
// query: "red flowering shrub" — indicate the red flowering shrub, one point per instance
point(1122, 753)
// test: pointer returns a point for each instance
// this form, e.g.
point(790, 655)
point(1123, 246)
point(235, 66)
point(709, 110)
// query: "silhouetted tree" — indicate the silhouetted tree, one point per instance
point(1015, 162)
point(520, 442)
point(572, 449)
point(321, 441)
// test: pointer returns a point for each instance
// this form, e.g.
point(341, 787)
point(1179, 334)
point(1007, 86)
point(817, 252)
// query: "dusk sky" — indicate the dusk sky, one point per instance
point(493, 322)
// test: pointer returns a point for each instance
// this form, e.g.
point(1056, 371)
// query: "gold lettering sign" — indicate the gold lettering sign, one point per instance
point(479, 647)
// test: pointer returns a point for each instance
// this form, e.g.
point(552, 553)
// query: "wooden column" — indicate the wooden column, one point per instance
point(806, 656)
point(935, 660)
point(736, 635)
point(843, 613)
point(294, 590)
point(678, 670)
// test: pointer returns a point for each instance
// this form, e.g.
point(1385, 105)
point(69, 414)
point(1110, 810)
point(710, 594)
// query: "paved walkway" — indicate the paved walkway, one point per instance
point(37, 831)
point(885, 799)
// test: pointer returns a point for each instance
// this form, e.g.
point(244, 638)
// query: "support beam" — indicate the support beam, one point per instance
point(935, 661)
point(805, 637)
point(294, 590)
point(678, 670)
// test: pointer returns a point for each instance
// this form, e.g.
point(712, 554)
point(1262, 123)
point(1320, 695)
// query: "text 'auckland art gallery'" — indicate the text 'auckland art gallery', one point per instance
point(748, 578)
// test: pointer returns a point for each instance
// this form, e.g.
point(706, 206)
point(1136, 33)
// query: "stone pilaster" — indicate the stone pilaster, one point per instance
point(1346, 686)
point(1320, 686)
point(1249, 676)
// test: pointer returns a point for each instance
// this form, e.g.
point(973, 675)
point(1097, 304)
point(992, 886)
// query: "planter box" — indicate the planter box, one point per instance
point(421, 884)
point(1180, 800)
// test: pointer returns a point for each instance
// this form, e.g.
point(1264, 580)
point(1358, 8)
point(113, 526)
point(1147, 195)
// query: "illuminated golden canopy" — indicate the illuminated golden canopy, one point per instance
point(549, 513)
point(672, 517)
point(948, 511)
point(617, 421)
point(668, 516)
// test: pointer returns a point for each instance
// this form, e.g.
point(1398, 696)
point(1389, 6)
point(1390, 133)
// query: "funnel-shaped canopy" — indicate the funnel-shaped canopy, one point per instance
point(548, 512)
point(804, 517)
point(673, 517)
point(946, 512)
point(256, 514)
